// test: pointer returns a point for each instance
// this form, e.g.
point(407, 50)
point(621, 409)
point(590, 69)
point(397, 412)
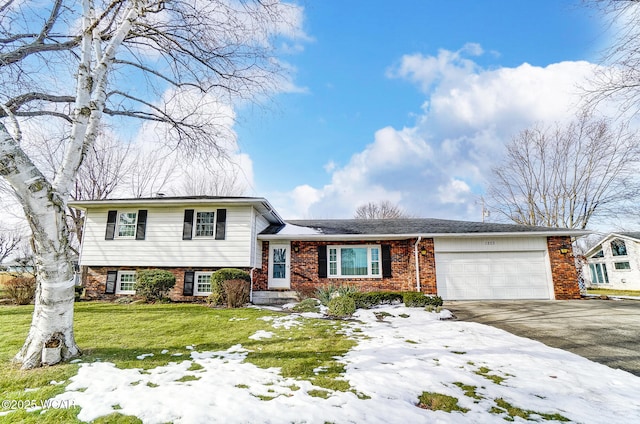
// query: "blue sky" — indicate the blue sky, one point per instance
point(365, 123)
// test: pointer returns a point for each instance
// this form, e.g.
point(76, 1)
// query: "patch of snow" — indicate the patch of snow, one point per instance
point(164, 351)
point(261, 334)
point(189, 347)
point(392, 364)
point(75, 361)
point(290, 229)
point(144, 355)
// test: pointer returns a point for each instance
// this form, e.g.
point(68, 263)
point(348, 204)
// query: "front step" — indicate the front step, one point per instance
point(269, 297)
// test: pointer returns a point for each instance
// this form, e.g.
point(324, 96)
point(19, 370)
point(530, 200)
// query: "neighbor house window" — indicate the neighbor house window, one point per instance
point(618, 248)
point(599, 254)
point(205, 224)
point(354, 261)
point(126, 282)
point(622, 265)
point(599, 274)
point(203, 284)
point(127, 224)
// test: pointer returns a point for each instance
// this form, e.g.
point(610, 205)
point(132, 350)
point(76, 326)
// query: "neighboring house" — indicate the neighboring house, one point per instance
point(194, 236)
point(614, 262)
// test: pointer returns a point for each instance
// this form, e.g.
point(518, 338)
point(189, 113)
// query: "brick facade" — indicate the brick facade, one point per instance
point(95, 280)
point(304, 267)
point(305, 279)
point(563, 268)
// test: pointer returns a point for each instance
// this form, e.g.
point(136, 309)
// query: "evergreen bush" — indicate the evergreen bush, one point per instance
point(220, 292)
point(341, 306)
point(154, 284)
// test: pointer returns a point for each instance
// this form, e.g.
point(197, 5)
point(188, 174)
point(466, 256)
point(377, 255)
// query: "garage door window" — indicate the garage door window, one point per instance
point(599, 273)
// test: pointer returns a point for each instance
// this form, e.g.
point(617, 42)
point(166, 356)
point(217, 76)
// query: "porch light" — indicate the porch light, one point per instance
point(296, 248)
point(423, 252)
point(564, 248)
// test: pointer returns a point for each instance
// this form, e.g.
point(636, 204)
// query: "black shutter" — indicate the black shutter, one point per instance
point(386, 260)
point(110, 287)
point(221, 224)
point(141, 227)
point(187, 288)
point(322, 261)
point(111, 225)
point(187, 228)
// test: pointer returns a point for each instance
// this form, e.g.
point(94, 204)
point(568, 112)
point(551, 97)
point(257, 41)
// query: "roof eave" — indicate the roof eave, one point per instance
point(261, 204)
point(336, 237)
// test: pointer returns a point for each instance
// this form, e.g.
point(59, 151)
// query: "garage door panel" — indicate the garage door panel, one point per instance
point(492, 275)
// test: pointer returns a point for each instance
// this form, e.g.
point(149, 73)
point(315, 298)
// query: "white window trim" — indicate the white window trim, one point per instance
point(194, 230)
point(621, 270)
point(195, 284)
point(121, 273)
point(354, 246)
point(117, 229)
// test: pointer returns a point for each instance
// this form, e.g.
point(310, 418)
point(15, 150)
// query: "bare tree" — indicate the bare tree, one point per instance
point(212, 182)
point(566, 175)
point(79, 63)
point(383, 209)
point(619, 78)
point(10, 241)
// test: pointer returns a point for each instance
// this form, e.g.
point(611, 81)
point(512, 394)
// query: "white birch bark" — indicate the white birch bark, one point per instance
point(44, 204)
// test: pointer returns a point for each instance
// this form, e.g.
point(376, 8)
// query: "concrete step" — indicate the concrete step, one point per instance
point(274, 297)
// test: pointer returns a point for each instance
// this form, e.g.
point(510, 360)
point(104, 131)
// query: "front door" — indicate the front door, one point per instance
point(279, 267)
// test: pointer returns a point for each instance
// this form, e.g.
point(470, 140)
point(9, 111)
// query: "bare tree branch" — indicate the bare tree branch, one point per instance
point(383, 209)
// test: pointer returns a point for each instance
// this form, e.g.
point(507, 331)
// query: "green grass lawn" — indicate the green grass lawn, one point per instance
point(119, 333)
point(609, 292)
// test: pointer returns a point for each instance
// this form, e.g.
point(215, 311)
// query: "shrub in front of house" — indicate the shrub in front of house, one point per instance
point(230, 287)
point(368, 300)
point(307, 305)
point(330, 291)
point(341, 307)
point(21, 290)
point(154, 284)
point(420, 300)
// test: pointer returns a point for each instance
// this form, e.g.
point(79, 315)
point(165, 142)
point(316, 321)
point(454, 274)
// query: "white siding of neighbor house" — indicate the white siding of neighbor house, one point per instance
point(163, 244)
point(619, 279)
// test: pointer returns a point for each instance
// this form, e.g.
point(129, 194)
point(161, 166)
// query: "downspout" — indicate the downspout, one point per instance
point(415, 251)
point(251, 284)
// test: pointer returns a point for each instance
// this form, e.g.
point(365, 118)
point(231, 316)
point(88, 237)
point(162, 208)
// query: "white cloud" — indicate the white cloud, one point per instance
point(438, 167)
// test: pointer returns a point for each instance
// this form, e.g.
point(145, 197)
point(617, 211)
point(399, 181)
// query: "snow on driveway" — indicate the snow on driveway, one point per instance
point(395, 360)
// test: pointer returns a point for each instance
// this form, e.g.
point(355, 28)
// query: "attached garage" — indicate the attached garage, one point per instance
point(493, 268)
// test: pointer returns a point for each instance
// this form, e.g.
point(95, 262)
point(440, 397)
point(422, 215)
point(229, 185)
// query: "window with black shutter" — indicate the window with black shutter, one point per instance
point(187, 227)
point(221, 224)
point(111, 225)
point(386, 261)
point(322, 261)
point(110, 286)
point(141, 226)
point(187, 288)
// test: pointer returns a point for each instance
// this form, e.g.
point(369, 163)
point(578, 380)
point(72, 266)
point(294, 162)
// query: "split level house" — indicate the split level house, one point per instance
point(194, 236)
point(614, 262)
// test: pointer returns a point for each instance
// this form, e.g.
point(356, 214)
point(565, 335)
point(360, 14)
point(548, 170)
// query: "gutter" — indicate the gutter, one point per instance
point(251, 284)
point(415, 251)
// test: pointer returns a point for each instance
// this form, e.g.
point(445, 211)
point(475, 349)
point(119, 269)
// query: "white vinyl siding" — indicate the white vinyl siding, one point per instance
point(493, 268)
point(616, 263)
point(163, 244)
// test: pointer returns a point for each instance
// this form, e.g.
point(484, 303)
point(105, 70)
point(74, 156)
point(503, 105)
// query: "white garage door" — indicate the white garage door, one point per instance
point(492, 275)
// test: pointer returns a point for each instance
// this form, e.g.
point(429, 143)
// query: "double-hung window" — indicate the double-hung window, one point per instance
point(354, 261)
point(205, 224)
point(126, 282)
point(203, 284)
point(127, 224)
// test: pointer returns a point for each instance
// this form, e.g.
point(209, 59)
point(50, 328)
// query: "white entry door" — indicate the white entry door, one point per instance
point(279, 266)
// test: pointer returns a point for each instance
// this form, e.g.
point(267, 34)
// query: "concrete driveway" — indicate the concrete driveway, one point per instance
point(604, 331)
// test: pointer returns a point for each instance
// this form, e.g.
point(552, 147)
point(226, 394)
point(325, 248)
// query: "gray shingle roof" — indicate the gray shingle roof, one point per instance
point(409, 226)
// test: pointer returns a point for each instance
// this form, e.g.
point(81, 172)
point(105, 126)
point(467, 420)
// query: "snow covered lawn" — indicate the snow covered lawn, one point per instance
point(395, 360)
